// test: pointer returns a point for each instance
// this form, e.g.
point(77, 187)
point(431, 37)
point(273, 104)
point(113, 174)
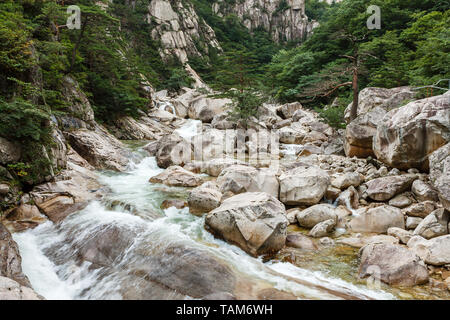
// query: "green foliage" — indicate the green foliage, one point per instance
point(333, 115)
point(245, 104)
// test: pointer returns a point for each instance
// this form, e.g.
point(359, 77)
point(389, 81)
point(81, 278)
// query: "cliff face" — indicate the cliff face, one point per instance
point(183, 33)
point(285, 20)
point(179, 29)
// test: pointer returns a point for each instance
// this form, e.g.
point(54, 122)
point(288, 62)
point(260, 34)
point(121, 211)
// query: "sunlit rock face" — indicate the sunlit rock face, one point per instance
point(176, 25)
point(284, 19)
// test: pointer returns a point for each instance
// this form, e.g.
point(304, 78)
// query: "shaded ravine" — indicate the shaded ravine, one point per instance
point(51, 253)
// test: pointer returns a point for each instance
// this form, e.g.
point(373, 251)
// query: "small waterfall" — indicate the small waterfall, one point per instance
point(164, 104)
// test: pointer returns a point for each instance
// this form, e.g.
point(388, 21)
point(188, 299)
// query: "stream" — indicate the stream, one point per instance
point(50, 253)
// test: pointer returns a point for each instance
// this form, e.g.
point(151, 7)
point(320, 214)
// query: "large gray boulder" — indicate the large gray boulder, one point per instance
point(240, 178)
point(408, 135)
point(204, 198)
point(440, 173)
point(176, 176)
point(392, 264)
point(435, 251)
point(378, 219)
point(205, 109)
point(385, 188)
point(434, 225)
point(12, 290)
point(318, 213)
point(10, 259)
point(254, 221)
point(173, 150)
point(303, 185)
point(101, 149)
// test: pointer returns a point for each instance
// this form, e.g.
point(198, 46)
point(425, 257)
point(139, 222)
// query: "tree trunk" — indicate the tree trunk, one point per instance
point(354, 110)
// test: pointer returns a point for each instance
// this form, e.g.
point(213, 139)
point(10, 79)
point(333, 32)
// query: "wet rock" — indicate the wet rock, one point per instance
point(407, 135)
point(12, 290)
point(10, 259)
point(440, 173)
point(434, 225)
point(302, 185)
point(378, 219)
point(326, 242)
point(435, 251)
point(385, 188)
point(332, 193)
point(176, 176)
point(239, 179)
point(152, 148)
point(424, 191)
point(323, 228)
point(59, 207)
point(311, 216)
point(349, 198)
point(187, 270)
point(300, 241)
point(177, 203)
point(23, 217)
point(204, 198)
point(255, 221)
point(215, 166)
point(403, 235)
point(106, 245)
point(420, 210)
point(392, 264)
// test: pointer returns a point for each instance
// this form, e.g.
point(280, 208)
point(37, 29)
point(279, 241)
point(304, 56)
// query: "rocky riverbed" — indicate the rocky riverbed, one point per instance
point(284, 209)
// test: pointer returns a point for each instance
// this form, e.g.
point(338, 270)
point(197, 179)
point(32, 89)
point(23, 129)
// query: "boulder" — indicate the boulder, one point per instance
point(176, 176)
point(343, 181)
point(303, 185)
point(360, 241)
point(12, 290)
point(23, 217)
point(413, 222)
point(423, 191)
point(403, 235)
point(204, 198)
point(300, 241)
point(177, 203)
point(173, 150)
point(9, 152)
point(240, 178)
point(402, 200)
point(287, 111)
point(311, 216)
point(392, 264)
point(360, 132)
point(349, 198)
point(378, 220)
point(440, 173)
point(435, 251)
point(420, 210)
point(99, 148)
point(255, 221)
point(204, 108)
point(10, 259)
point(387, 99)
point(434, 225)
point(385, 188)
point(58, 207)
point(291, 135)
point(408, 135)
point(323, 228)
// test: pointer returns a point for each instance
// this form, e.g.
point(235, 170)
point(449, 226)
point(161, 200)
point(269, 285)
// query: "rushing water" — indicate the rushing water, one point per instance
point(50, 252)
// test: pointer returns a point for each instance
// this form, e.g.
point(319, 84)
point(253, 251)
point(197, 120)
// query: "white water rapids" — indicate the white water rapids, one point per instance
point(49, 254)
